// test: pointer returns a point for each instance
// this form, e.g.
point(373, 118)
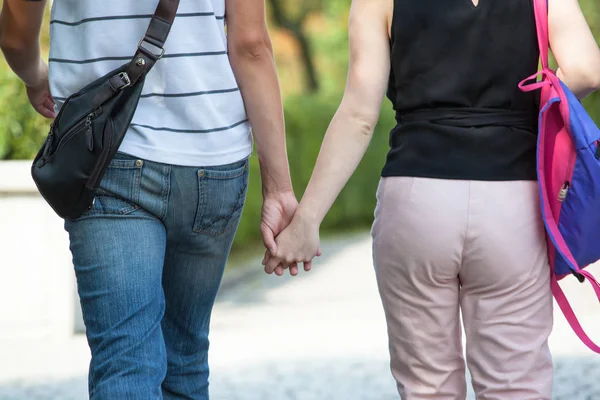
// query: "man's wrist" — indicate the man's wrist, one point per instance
point(274, 189)
point(36, 75)
point(275, 181)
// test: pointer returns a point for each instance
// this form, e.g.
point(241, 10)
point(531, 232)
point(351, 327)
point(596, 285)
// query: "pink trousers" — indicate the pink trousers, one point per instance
point(444, 248)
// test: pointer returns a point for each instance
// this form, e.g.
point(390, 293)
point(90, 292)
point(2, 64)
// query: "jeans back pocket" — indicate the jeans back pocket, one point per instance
point(119, 189)
point(222, 194)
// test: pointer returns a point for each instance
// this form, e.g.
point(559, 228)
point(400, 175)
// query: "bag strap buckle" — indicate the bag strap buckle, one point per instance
point(125, 78)
point(119, 82)
point(149, 48)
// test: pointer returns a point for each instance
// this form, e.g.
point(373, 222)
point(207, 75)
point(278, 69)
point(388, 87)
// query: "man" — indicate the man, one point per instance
point(150, 254)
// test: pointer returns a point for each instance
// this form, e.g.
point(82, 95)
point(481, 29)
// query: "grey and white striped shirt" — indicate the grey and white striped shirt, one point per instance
point(191, 111)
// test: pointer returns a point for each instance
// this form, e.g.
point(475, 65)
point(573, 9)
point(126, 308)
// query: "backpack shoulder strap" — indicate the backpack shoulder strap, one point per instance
point(567, 310)
point(540, 9)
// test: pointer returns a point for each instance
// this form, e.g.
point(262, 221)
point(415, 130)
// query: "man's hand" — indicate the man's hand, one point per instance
point(277, 213)
point(299, 242)
point(39, 94)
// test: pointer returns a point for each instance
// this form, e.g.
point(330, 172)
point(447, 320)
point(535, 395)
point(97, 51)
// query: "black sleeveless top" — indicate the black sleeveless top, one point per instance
point(453, 84)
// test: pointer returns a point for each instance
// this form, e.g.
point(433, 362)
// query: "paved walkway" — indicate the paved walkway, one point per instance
point(320, 336)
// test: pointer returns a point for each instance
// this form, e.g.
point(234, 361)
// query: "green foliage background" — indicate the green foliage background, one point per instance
point(307, 117)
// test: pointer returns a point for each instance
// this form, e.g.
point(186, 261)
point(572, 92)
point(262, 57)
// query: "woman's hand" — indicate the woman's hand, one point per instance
point(299, 242)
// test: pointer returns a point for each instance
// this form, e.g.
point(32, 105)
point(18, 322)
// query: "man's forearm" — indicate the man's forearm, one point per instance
point(25, 62)
point(19, 39)
point(257, 77)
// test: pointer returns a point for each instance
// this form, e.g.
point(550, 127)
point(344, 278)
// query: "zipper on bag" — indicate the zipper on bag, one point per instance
point(89, 133)
point(84, 125)
point(90, 138)
point(564, 191)
point(96, 175)
point(597, 143)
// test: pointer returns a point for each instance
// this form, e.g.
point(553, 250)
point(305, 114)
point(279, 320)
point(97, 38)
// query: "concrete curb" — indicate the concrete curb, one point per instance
point(15, 177)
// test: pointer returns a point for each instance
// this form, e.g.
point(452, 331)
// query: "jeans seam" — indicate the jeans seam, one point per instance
point(166, 192)
point(137, 184)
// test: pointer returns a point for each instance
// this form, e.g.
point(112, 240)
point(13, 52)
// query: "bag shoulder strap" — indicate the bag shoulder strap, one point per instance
point(567, 310)
point(540, 9)
point(151, 47)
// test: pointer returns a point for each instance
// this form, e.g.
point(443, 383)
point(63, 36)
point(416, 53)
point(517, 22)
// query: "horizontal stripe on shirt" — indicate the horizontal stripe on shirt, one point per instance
point(207, 92)
point(100, 59)
point(120, 17)
point(171, 95)
point(165, 129)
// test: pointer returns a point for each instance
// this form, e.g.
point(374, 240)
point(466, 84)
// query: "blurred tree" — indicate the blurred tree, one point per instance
point(292, 17)
point(312, 41)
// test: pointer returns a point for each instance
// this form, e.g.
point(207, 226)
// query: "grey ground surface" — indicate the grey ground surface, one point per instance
point(319, 336)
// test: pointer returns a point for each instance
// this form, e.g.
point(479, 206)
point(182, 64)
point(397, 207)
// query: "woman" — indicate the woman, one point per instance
point(457, 226)
point(150, 254)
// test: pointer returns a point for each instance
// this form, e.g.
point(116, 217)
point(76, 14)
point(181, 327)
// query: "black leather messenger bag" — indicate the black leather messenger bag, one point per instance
point(92, 123)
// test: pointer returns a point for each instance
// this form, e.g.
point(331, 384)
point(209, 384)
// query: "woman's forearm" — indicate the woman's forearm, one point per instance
point(351, 130)
point(580, 86)
point(345, 144)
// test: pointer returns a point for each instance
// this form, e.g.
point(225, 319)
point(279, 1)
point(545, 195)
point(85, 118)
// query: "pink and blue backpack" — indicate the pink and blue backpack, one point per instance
point(568, 163)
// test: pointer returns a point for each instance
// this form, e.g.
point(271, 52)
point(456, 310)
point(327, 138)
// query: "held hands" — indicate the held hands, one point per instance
point(277, 213)
point(299, 242)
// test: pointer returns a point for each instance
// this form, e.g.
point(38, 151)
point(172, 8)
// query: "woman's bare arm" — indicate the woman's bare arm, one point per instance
point(352, 127)
point(350, 131)
point(574, 47)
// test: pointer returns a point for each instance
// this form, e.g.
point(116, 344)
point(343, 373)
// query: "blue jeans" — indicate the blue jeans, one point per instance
point(149, 257)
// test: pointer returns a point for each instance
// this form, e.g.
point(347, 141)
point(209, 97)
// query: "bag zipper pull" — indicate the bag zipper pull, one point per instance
point(564, 190)
point(597, 149)
point(96, 112)
point(88, 133)
point(88, 123)
point(49, 143)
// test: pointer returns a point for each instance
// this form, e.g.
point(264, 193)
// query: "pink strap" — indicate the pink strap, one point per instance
point(535, 85)
point(592, 280)
point(567, 310)
point(541, 21)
